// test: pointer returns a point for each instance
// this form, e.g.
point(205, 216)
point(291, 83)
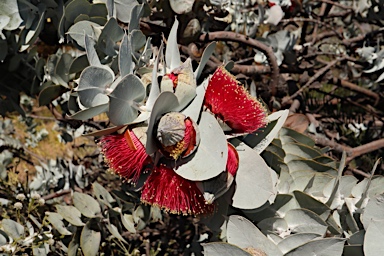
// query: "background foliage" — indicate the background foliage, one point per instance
point(322, 60)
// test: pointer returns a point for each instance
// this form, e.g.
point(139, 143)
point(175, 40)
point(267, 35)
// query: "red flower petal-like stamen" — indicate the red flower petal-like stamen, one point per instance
point(125, 155)
point(169, 191)
point(232, 103)
point(232, 160)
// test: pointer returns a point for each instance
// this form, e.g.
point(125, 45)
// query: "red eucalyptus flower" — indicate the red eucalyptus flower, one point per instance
point(169, 191)
point(125, 155)
point(230, 102)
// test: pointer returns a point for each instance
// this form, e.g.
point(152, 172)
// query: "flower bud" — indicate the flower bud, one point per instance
point(20, 197)
point(177, 134)
point(18, 206)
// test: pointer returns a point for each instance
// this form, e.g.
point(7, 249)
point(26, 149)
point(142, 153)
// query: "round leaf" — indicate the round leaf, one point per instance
point(373, 211)
point(210, 158)
point(12, 228)
point(254, 185)
point(124, 100)
point(321, 247)
point(80, 29)
point(295, 240)
point(244, 234)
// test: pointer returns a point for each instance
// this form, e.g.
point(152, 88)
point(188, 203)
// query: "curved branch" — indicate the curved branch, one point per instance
point(235, 37)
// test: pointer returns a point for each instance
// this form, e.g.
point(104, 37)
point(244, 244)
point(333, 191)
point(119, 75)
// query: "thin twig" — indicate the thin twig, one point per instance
point(312, 80)
point(57, 194)
point(356, 88)
point(235, 37)
point(366, 148)
point(360, 172)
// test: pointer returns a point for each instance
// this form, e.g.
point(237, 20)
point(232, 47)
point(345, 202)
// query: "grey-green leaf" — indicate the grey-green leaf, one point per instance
point(223, 249)
point(172, 54)
point(102, 194)
point(125, 99)
point(88, 113)
point(81, 28)
point(321, 247)
point(89, 240)
point(305, 221)
point(204, 58)
point(295, 240)
point(12, 228)
point(241, 232)
point(70, 214)
point(125, 57)
point(373, 210)
point(86, 204)
point(251, 192)
point(56, 220)
point(211, 155)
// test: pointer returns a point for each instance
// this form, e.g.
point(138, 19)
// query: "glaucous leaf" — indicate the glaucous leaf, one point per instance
point(305, 221)
point(70, 214)
point(210, 158)
point(320, 247)
point(93, 82)
point(223, 249)
point(88, 113)
point(93, 58)
point(128, 223)
point(254, 184)
point(280, 116)
point(86, 204)
point(373, 210)
point(56, 220)
point(312, 204)
point(125, 57)
point(125, 99)
point(78, 30)
point(295, 240)
point(50, 93)
point(204, 59)
point(102, 194)
point(12, 228)
point(275, 225)
point(242, 232)
point(155, 88)
point(110, 34)
point(166, 102)
point(115, 232)
point(89, 240)
point(172, 54)
point(123, 9)
point(136, 13)
point(10, 10)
